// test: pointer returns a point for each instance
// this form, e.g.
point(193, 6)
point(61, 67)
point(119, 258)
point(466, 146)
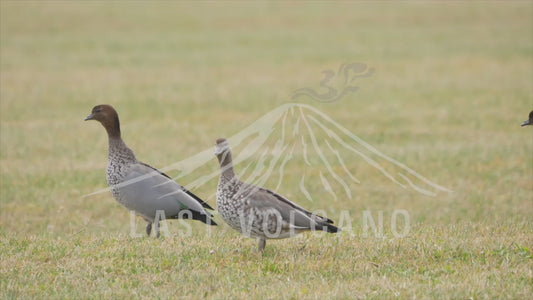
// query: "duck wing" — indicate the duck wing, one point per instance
point(298, 216)
point(146, 190)
point(204, 204)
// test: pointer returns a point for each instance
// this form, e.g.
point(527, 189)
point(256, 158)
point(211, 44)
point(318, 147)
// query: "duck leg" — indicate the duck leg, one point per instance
point(262, 244)
point(157, 230)
point(148, 228)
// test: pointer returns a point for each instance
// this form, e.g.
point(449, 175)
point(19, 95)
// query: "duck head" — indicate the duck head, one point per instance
point(222, 149)
point(108, 117)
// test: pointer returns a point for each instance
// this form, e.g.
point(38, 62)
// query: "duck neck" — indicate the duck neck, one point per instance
point(119, 151)
point(112, 126)
point(226, 165)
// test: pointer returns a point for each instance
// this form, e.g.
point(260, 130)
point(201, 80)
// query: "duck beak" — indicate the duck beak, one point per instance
point(218, 151)
point(220, 148)
point(89, 117)
point(526, 122)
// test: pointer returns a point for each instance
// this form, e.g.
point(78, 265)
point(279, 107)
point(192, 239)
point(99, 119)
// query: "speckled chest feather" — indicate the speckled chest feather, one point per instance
point(121, 159)
point(233, 202)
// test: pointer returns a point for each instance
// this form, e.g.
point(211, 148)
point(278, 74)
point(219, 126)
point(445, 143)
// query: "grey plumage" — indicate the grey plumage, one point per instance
point(140, 187)
point(259, 212)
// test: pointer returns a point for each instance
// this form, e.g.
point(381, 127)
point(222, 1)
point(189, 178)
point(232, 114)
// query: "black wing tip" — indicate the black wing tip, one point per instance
point(205, 205)
point(331, 229)
point(203, 218)
point(195, 215)
point(209, 222)
point(202, 202)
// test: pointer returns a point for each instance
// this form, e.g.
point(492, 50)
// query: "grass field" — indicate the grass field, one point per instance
point(451, 86)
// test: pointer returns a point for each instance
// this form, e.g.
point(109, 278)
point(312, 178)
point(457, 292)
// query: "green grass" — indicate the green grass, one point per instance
point(452, 83)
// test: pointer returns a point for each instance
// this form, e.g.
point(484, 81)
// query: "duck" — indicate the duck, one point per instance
point(142, 188)
point(257, 211)
point(528, 121)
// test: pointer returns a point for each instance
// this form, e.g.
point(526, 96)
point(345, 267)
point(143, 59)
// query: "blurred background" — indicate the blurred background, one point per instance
point(451, 84)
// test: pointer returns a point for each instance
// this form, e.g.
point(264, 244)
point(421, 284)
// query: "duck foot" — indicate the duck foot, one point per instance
point(157, 231)
point(262, 244)
point(148, 228)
